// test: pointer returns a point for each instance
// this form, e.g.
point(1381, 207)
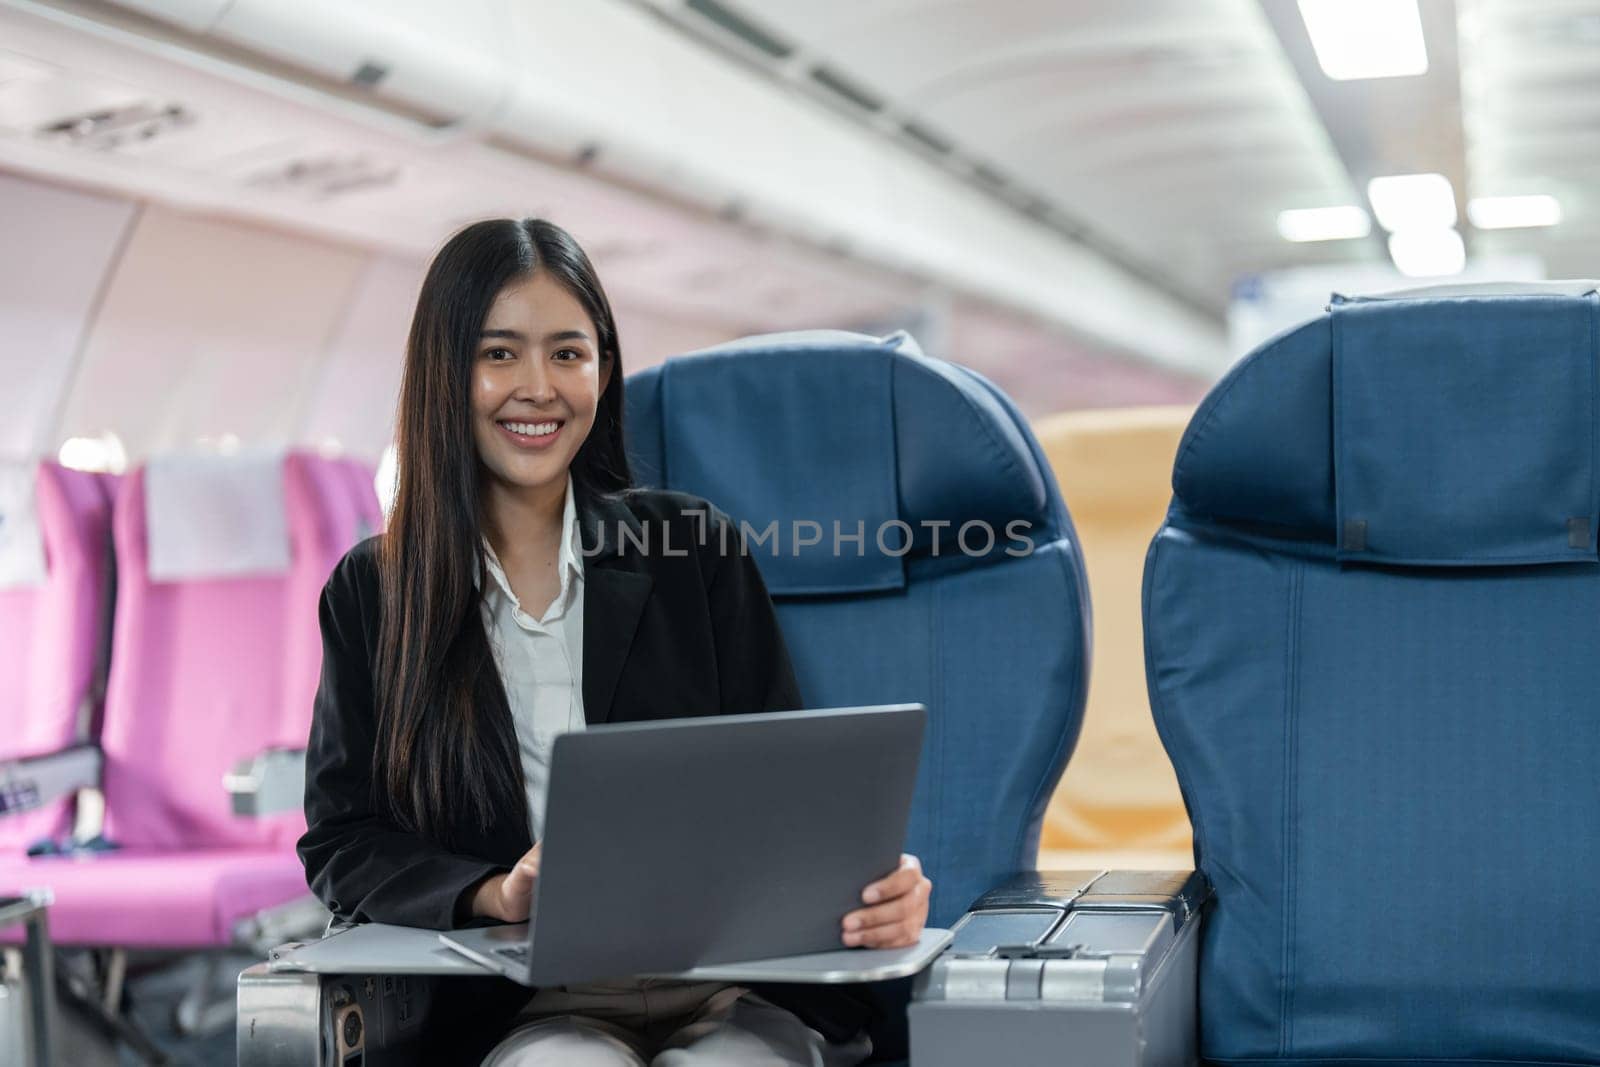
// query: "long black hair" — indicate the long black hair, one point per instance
point(446, 745)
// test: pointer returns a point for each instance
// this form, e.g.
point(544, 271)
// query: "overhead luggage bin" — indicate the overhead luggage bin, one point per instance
point(425, 69)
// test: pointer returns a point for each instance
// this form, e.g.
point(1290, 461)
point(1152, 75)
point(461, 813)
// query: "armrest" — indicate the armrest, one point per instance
point(269, 783)
point(301, 919)
point(1101, 962)
point(1181, 893)
point(29, 782)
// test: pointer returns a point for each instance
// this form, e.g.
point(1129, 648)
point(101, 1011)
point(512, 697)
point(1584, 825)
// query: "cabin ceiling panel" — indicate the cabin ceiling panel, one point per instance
point(1530, 98)
point(1088, 104)
point(208, 329)
point(59, 246)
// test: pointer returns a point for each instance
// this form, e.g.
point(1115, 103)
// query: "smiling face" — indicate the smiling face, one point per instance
point(536, 381)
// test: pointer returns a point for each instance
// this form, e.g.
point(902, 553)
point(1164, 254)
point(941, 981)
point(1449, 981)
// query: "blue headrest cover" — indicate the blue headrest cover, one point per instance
point(1431, 431)
point(831, 427)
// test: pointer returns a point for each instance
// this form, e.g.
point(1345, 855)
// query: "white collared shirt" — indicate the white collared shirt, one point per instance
point(540, 660)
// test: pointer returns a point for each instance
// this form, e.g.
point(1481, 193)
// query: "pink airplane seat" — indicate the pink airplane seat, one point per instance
point(51, 637)
point(202, 677)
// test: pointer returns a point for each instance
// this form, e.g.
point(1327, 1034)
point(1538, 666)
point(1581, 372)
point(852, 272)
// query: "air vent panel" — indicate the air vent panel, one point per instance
point(112, 129)
point(736, 25)
point(327, 177)
point(846, 89)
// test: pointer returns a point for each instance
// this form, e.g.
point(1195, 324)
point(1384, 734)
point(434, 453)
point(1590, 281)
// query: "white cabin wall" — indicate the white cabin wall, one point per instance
point(59, 245)
point(350, 397)
point(174, 331)
point(208, 328)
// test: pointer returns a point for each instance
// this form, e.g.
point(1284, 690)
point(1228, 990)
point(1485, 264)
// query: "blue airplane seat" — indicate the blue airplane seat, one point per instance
point(916, 456)
point(956, 582)
point(1371, 619)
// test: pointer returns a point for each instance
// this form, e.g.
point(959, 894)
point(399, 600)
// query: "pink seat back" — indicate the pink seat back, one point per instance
point(362, 480)
point(51, 635)
point(200, 677)
point(110, 485)
point(327, 491)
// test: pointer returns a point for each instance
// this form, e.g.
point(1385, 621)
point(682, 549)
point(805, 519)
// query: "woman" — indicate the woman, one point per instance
point(501, 609)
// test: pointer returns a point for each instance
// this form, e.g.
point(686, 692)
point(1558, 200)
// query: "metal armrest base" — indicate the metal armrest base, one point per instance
point(1103, 964)
point(373, 1020)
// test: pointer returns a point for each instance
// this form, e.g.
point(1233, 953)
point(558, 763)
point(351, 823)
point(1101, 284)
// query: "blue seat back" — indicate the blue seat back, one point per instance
point(1371, 620)
point(936, 489)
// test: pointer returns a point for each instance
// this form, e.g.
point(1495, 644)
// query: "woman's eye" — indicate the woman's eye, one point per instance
point(499, 355)
point(567, 354)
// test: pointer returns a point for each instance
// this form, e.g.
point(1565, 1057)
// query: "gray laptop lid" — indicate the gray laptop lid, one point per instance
point(689, 842)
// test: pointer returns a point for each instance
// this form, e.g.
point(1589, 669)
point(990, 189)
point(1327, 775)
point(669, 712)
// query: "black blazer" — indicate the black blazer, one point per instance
point(683, 628)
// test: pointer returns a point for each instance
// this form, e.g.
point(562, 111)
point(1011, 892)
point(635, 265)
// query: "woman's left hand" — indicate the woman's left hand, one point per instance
point(897, 911)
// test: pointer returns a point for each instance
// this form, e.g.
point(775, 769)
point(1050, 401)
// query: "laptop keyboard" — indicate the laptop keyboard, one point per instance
point(514, 953)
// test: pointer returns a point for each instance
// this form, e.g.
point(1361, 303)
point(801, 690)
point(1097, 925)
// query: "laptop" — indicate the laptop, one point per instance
point(687, 842)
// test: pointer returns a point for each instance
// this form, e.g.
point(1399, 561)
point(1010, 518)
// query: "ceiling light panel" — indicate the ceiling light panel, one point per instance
point(1324, 224)
point(1427, 253)
point(1356, 39)
point(1514, 212)
point(1413, 202)
point(1530, 118)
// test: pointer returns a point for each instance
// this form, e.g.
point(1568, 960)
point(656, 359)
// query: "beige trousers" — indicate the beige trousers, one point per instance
point(664, 1023)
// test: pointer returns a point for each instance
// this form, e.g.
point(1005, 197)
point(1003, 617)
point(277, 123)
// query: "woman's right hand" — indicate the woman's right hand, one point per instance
point(507, 897)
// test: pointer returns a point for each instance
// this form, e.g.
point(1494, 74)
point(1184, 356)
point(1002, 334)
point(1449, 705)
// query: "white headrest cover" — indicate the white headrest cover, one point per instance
point(215, 517)
point(22, 561)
